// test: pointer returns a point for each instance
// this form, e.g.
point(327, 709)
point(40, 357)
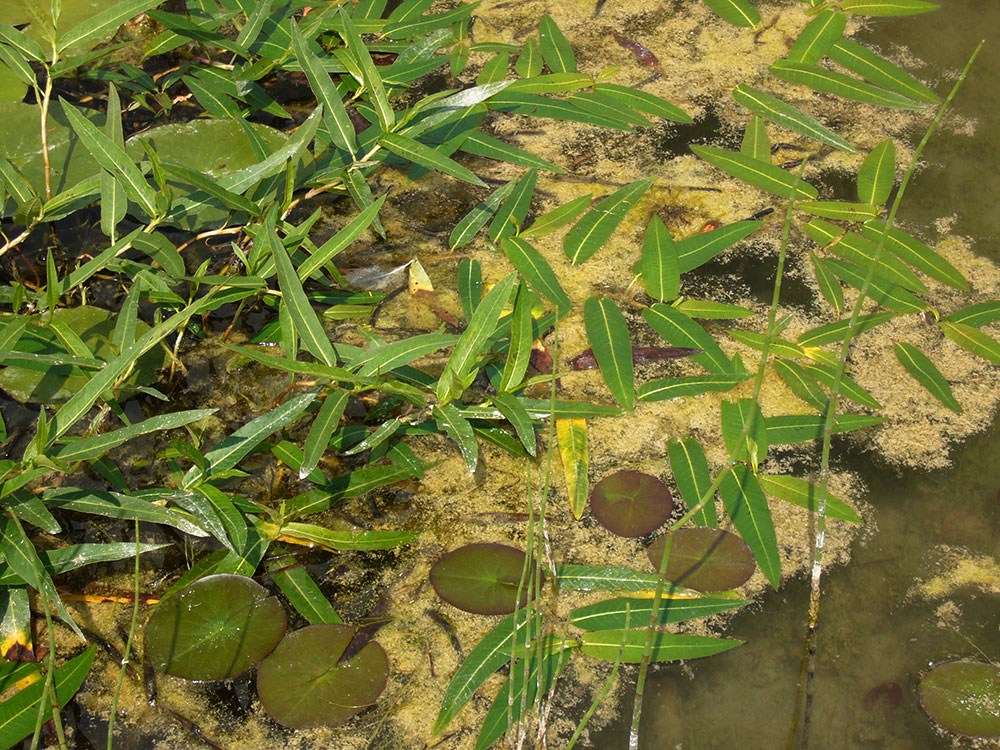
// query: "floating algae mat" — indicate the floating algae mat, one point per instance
point(450, 377)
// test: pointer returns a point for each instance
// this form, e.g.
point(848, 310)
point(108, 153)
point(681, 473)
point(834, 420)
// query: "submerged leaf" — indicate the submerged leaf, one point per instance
point(963, 696)
point(705, 559)
point(481, 578)
point(630, 503)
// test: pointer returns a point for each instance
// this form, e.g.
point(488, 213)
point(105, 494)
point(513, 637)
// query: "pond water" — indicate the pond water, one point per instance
point(923, 587)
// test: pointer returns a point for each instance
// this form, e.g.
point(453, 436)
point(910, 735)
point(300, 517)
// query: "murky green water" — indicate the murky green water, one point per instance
point(876, 632)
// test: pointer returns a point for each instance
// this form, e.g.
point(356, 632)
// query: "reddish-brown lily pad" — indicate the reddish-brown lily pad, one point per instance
point(480, 578)
point(304, 684)
point(630, 503)
point(963, 696)
point(705, 559)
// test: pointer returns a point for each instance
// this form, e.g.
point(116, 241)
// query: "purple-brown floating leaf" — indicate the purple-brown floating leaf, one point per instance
point(963, 696)
point(640, 355)
point(630, 503)
point(216, 628)
point(480, 578)
point(303, 684)
point(705, 559)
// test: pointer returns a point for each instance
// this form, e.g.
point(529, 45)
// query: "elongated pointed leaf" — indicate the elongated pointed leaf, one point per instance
point(889, 295)
point(737, 417)
point(643, 101)
point(104, 23)
point(700, 248)
point(333, 246)
point(806, 495)
point(303, 593)
point(924, 371)
point(690, 385)
point(89, 448)
point(977, 315)
point(459, 430)
point(708, 310)
point(861, 60)
point(514, 209)
point(517, 415)
point(529, 62)
point(848, 387)
point(799, 428)
point(113, 201)
point(470, 285)
point(737, 12)
point(334, 113)
point(608, 335)
point(838, 330)
point(607, 645)
point(829, 286)
point(861, 251)
point(912, 251)
point(556, 218)
point(757, 173)
point(747, 508)
point(572, 437)
point(536, 271)
point(690, 470)
point(888, 7)
point(802, 383)
point(678, 329)
point(973, 340)
point(326, 421)
point(211, 187)
point(597, 225)
point(877, 174)
point(816, 39)
point(775, 110)
point(521, 340)
point(112, 158)
point(755, 141)
point(556, 51)
point(388, 357)
point(493, 148)
point(830, 82)
point(418, 153)
point(372, 80)
point(839, 210)
point(122, 507)
point(660, 263)
point(476, 219)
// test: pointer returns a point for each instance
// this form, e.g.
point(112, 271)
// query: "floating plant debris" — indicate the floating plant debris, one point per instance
point(963, 696)
point(640, 355)
point(630, 503)
point(705, 559)
point(216, 628)
point(304, 683)
point(480, 578)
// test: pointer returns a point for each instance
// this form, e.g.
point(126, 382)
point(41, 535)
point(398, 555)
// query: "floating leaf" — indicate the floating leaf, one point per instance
point(704, 559)
point(815, 40)
point(877, 174)
point(706, 309)
point(643, 101)
point(700, 248)
point(973, 340)
point(888, 7)
point(216, 628)
point(785, 114)
point(797, 428)
point(736, 12)
point(830, 82)
point(556, 51)
point(611, 613)
point(678, 329)
point(572, 436)
point(806, 495)
point(912, 251)
point(840, 210)
point(963, 696)
point(556, 218)
point(660, 264)
point(861, 60)
point(597, 225)
point(690, 385)
point(757, 173)
point(304, 683)
point(602, 578)
point(630, 503)
point(747, 508)
point(536, 271)
point(608, 335)
point(977, 315)
point(607, 645)
point(481, 578)
point(829, 286)
point(755, 141)
point(921, 368)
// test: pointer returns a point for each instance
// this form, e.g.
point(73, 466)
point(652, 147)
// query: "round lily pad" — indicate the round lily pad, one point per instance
point(630, 503)
point(48, 383)
point(303, 684)
point(216, 628)
point(705, 559)
point(480, 578)
point(963, 696)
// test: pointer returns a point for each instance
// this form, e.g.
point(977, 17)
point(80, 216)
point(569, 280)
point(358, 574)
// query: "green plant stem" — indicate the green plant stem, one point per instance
point(709, 495)
point(128, 643)
point(606, 688)
point(44, 117)
point(808, 664)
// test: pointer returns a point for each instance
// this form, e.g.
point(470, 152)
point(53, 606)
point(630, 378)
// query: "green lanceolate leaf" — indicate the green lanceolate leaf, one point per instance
point(556, 218)
point(839, 210)
point(334, 113)
point(921, 368)
point(112, 158)
point(660, 265)
point(861, 60)
point(830, 82)
point(493, 148)
point(303, 593)
point(747, 508)
point(708, 310)
point(556, 51)
point(387, 357)
point(425, 156)
point(600, 578)
point(572, 437)
point(597, 225)
point(801, 382)
point(815, 40)
point(974, 315)
point(85, 449)
point(838, 330)
point(829, 286)
point(122, 507)
point(690, 470)
point(211, 187)
point(476, 219)
point(333, 246)
point(517, 415)
point(973, 340)
point(888, 7)
point(848, 387)
point(861, 251)
point(104, 23)
point(798, 428)
point(372, 80)
point(775, 110)
point(912, 251)
point(690, 385)
point(608, 335)
point(806, 495)
point(529, 62)
point(460, 364)
point(608, 645)
point(776, 346)
point(757, 173)
point(744, 415)
point(642, 101)
point(700, 248)
point(889, 295)
point(536, 271)
point(877, 174)
point(458, 429)
point(113, 200)
point(553, 83)
point(306, 322)
point(736, 12)
point(514, 209)
point(521, 340)
point(470, 285)
point(755, 142)
point(612, 613)
point(326, 421)
point(678, 329)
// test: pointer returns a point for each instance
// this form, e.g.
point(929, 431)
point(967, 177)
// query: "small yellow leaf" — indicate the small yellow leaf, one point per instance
point(419, 280)
point(572, 435)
